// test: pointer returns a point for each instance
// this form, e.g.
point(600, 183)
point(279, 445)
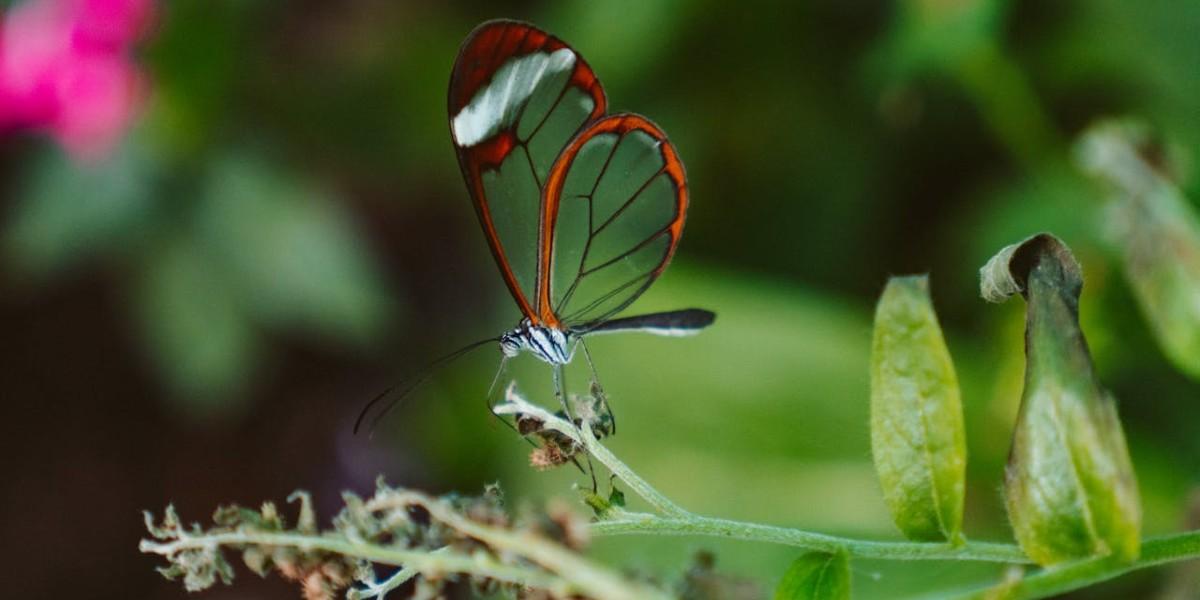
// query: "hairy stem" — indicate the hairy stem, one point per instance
point(1083, 573)
point(640, 523)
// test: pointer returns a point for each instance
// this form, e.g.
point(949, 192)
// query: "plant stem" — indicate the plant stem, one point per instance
point(380, 590)
point(397, 579)
point(1072, 576)
point(640, 523)
point(640, 486)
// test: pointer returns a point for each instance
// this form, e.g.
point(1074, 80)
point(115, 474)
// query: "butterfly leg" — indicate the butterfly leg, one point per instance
point(491, 404)
point(598, 391)
point(560, 391)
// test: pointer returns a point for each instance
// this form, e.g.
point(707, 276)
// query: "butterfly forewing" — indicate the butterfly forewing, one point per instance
point(517, 98)
point(614, 206)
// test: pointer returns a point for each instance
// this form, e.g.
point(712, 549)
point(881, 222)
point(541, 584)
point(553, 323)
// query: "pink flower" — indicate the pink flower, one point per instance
point(65, 68)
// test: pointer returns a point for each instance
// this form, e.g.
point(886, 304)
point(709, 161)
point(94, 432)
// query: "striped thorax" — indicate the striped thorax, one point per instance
point(551, 345)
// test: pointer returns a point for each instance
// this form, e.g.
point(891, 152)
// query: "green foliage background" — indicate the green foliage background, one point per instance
point(284, 234)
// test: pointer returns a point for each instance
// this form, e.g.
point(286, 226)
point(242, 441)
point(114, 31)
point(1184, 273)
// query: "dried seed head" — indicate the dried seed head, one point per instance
point(527, 424)
point(547, 456)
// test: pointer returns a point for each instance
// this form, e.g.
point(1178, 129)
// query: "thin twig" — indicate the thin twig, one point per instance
point(397, 579)
point(647, 524)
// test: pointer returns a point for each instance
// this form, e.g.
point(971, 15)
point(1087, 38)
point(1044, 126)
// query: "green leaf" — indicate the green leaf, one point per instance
point(70, 211)
point(1069, 487)
point(292, 256)
point(1156, 233)
point(616, 497)
point(917, 436)
point(197, 333)
point(939, 36)
point(816, 576)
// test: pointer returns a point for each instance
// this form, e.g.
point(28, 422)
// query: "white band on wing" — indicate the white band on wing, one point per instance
point(495, 106)
point(663, 331)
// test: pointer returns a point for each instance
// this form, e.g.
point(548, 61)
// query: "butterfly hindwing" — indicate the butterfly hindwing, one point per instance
point(613, 211)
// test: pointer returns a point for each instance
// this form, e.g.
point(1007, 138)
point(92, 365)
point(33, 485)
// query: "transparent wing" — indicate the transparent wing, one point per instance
point(517, 97)
point(614, 207)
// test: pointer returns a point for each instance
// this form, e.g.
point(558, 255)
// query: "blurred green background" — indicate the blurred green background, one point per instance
point(284, 233)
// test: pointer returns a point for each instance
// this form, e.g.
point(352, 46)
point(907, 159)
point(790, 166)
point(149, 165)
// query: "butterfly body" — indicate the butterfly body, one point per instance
point(551, 345)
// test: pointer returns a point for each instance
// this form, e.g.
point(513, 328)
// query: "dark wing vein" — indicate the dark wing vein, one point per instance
point(631, 200)
point(608, 296)
point(642, 244)
point(554, 105)
point(587, 244)
point(529, 160)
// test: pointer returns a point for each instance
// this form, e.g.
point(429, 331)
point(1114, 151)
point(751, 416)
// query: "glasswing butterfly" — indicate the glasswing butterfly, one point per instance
point(582, 210)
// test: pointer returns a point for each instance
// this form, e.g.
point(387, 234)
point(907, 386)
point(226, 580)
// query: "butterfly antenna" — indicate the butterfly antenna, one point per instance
point(412, 384)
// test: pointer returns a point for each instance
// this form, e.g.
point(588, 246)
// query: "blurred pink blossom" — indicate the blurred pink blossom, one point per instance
point(65, 68)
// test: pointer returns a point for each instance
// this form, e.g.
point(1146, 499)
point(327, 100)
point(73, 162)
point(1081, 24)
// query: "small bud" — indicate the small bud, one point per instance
point(257, 560)
point(307, 521)
point(1069, 485)
point(616, 497)
point(917, 437)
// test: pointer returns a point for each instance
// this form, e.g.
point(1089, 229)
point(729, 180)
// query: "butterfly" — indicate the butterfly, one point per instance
point(582, 210)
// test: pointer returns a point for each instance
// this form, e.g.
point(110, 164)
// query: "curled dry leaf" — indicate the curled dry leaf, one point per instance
point(1069, 487)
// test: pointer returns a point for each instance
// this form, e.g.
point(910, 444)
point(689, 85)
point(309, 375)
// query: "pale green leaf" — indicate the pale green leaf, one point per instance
point(291, 253)
point(196, 332)
point(69, 211)
point(917, 436)
point(1156, 233)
